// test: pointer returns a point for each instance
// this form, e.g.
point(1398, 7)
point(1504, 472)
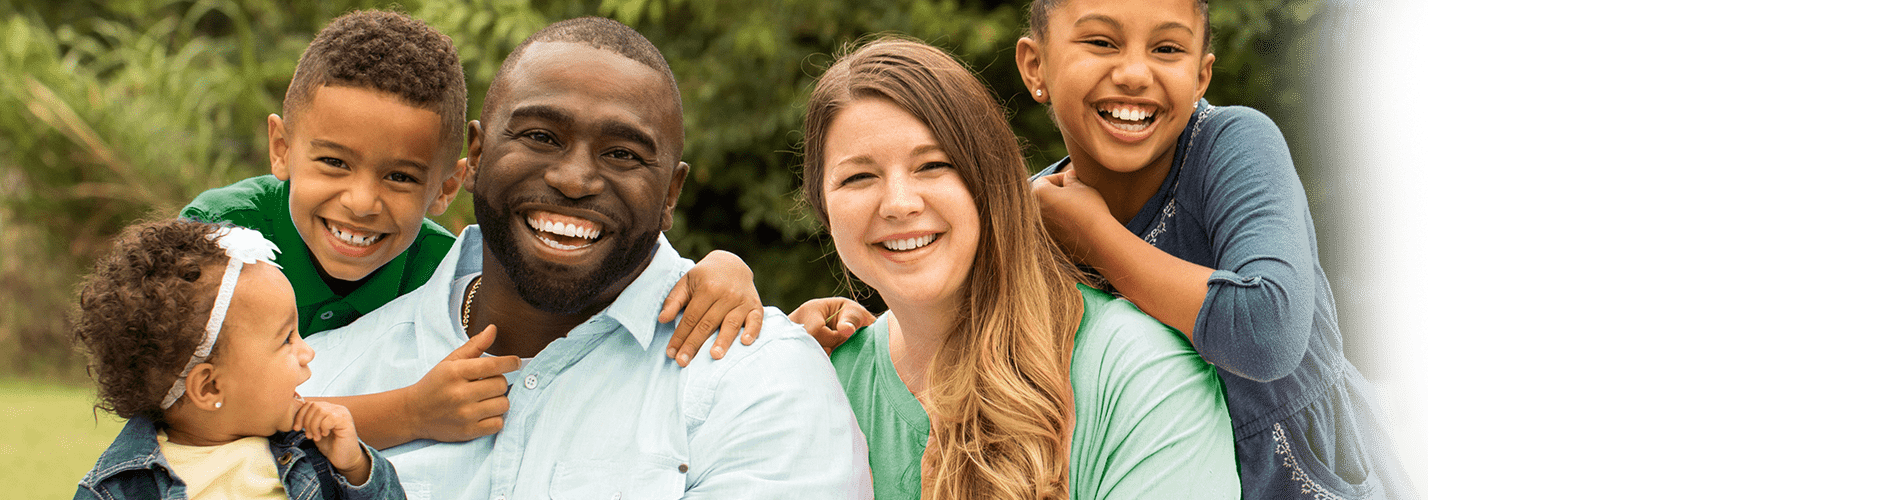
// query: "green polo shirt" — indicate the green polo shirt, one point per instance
point(263, 203)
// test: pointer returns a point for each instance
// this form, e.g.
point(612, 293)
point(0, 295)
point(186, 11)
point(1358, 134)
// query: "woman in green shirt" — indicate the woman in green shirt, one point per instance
point(995, 374)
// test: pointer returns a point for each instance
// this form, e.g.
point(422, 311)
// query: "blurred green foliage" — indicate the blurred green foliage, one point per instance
point(115, 109)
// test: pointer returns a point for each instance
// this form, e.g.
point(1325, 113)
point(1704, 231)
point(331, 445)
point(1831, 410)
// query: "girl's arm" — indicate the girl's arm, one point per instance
point(1252, 313)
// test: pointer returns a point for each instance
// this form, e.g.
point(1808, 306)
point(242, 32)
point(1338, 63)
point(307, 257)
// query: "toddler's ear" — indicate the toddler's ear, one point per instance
point(201, 388)
point(279, 147)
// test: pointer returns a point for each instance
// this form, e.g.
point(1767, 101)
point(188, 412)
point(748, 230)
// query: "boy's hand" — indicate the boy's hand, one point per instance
point(464, 396)
point(716, 293)
point(832, 320)
point(1069, 207)
point(334, 431)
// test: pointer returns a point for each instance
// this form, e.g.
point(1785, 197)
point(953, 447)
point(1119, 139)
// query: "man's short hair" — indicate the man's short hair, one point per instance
point(388, 52)
point(598, 32)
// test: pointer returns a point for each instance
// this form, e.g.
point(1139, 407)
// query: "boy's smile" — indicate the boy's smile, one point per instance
point(364, 168)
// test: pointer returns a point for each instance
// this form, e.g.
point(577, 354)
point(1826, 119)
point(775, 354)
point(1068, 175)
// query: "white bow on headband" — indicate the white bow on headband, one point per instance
point(242, 246)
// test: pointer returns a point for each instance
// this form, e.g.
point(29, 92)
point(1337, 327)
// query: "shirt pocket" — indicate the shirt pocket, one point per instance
point(643, 477)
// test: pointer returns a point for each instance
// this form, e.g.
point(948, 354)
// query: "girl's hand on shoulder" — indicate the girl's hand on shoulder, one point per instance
point(716, 295)
point(832, 320)
point(334, 431)
point(1068, 208)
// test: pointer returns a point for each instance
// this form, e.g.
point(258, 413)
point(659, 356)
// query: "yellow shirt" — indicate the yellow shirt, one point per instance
point(238, 469)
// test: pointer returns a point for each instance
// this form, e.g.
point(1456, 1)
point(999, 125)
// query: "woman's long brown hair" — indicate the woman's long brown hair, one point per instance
point(1000, 404)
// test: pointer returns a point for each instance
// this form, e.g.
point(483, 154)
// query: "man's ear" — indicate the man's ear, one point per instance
point(1029, 64)
point(451, 182)
point(470, 164)
point(279, 147)
point(673, 194)
point(201, 388)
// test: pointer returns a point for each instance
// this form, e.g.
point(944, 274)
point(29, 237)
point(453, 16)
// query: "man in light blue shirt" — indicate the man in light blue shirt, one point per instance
point(575, 172)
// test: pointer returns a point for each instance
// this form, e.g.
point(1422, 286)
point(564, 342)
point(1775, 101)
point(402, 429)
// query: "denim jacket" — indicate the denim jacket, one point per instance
point(133, 467)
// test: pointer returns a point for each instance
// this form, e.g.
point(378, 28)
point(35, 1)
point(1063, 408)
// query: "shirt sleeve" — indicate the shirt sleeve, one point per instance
point(1164, 431)
point(775, 424)
point(381, 485)
point(1259, 309)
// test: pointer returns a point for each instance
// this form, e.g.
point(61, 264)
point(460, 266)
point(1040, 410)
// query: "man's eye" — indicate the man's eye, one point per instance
point(538, 136)
point(621, 154)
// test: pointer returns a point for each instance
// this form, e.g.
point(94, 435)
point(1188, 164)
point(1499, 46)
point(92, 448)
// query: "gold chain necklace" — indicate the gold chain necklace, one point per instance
point(468, 303)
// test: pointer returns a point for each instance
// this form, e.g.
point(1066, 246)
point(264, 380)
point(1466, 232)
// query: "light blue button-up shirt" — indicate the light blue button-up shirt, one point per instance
point(602, 412)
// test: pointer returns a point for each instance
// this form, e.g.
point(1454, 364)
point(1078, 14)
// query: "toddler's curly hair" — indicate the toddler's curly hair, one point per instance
point(143, 310)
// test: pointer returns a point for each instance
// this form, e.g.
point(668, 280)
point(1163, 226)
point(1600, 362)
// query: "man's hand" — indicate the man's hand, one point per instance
point(832, 320)
point(716, 293)
point(464, 396)
point(1069, 207)
point(334, 431)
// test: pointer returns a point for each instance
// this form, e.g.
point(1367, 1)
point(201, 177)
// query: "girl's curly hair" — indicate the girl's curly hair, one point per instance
point(143, 309)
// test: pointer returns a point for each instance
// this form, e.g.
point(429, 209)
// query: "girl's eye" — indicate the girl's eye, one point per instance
point(1099, 43)
point(1170, 49)
point(403, 178)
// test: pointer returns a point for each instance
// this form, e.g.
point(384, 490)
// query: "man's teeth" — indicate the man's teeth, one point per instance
point(564, 229)
point(354, 239)
point(909, 243)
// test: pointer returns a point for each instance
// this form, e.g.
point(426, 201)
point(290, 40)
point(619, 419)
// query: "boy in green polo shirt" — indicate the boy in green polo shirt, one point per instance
point(373, 125)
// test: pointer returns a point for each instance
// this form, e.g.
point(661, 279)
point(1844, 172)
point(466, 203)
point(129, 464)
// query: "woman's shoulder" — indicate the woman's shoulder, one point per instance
point(1116, 341)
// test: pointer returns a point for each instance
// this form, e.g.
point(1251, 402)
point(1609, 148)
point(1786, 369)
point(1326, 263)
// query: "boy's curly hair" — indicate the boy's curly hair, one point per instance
point(143, 309)
point(387, 52)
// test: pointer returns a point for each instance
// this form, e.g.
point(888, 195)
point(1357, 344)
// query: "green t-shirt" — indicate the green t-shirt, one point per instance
point(1150, 417)
point(263, 203)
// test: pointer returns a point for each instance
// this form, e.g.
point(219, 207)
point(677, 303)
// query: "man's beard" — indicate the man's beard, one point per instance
point(557, 288)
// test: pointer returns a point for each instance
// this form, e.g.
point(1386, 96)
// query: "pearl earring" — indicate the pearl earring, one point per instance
point(1038, 92)
point(219, 404)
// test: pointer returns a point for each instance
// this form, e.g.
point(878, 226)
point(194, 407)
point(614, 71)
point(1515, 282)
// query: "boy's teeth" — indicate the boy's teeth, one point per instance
point(909, 243)
point(354, 239)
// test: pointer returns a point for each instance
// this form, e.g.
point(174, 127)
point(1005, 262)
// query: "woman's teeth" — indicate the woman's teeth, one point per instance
point(908, 243)
point(354, 239)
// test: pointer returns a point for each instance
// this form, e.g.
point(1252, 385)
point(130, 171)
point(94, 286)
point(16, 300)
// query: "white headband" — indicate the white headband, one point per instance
point(242, 246)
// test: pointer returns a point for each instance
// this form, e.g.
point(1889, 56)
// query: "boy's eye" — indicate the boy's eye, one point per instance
point(402, 177)
point(333, 162)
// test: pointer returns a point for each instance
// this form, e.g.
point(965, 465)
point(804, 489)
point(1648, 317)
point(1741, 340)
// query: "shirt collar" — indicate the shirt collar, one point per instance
point(636, 309)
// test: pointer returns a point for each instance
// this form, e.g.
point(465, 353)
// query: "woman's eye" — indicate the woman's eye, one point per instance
point(855, 178)
point(935, 165)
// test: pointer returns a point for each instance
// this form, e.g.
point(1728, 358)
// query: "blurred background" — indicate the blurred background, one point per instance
point(112, 110)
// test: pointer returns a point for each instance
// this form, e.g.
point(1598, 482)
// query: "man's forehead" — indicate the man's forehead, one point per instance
point(550, 72)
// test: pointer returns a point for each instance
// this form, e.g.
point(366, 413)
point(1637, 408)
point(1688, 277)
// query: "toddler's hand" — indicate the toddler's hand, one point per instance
point(832, 320)
point(465, 395)
point(716, 293)
point(334, 431)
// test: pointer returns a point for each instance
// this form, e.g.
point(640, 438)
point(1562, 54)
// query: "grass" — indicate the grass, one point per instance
point(49, 437)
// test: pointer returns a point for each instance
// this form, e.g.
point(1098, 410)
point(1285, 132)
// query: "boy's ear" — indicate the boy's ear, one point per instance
point(474, 158)
point(201, 388)
point(673, 194)
point(451, 182)
point(279, 147)
point(1029, 64)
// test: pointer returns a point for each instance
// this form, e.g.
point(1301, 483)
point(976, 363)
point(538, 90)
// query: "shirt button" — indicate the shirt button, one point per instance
point(327, 314)
point(533, 380)
point(616, 495)
point(682, 468)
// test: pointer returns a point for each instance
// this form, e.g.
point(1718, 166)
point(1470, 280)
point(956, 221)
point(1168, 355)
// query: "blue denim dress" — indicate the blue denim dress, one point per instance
point(133, 468)
point(1304, 423)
